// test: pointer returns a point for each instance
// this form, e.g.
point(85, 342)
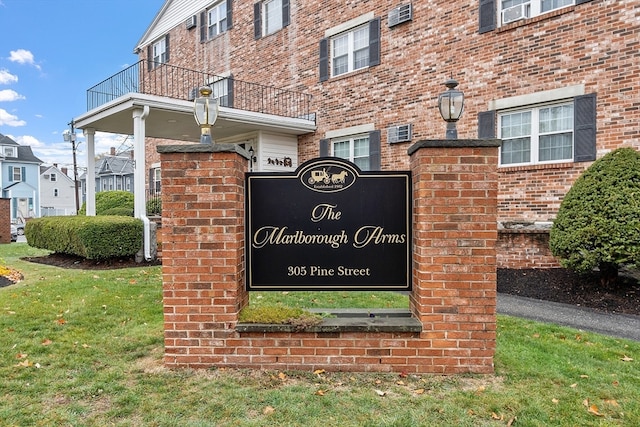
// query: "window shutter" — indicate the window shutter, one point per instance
point(166, 48)
point(487, 12)
point(24, 174)
point(584, 133)
point(152, 182)
point(230, 91)
point(324, 60)
point(374, 42)
point(10, 173)
point(324, 148)
point(150, 57)
point(374, 150)
point(285, 13)
point(257, 21)
point(203, 27)
point(487, 124)
point(229, 14)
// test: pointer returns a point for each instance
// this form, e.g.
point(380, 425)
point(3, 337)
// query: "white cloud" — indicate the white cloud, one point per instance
point(7, 119)
point(6, 77)
point(8, 95)
point(22, 56)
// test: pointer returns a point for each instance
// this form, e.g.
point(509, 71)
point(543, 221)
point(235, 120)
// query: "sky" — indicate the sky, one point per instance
point(51, 52)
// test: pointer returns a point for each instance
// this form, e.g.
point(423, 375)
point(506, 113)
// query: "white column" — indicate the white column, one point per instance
point(90, 133)
point(139, 117)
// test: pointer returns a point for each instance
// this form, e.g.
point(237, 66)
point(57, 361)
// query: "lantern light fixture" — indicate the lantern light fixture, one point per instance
point(205, 111)
point(451, 104)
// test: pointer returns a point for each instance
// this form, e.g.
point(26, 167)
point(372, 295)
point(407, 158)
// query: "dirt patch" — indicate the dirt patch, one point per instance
point(72, 261)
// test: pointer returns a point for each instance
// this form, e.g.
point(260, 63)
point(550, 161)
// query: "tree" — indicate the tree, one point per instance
point(598, 223)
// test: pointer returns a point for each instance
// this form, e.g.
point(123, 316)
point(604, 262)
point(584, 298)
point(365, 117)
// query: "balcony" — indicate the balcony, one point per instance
point(168, 92)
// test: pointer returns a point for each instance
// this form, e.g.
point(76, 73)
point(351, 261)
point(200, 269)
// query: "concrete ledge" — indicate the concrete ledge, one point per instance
point(203, 148)
point(350, 320)
point(453, 143)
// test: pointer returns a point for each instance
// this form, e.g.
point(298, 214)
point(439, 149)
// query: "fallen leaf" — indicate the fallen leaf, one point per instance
point(586, 402)
point(24, 364)
point(536, 335)
point(627, 359)
point(47, 341)
point(496, 416)
point(61, 321)
point(511, 421)
point(319, 393)
point(21, 356)
point(282, 376)
point(593, 409)
point(86, 346)
point(611, 402)
point(584, 376)
point(574, 385)
point(380, 393)
point(318, 371)
point(615, 383)
point(403, 374)
point(378, 382)
point(419, 391)
point(400, 382)
point(556, 401)
point(268, 410)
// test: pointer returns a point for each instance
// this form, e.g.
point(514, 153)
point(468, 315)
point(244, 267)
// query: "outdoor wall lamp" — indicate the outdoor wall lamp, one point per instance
point(205, 111)
point(451, 104)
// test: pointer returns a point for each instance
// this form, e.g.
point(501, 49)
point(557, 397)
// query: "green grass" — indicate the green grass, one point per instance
point(84, 348)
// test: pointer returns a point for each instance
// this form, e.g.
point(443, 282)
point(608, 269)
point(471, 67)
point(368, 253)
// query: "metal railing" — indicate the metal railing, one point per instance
point(166, 80)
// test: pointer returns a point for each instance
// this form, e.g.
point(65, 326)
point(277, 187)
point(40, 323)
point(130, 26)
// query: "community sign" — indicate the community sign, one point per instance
point(328, 226)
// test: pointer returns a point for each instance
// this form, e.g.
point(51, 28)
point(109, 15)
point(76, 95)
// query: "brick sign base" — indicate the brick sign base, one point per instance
point(450, 327)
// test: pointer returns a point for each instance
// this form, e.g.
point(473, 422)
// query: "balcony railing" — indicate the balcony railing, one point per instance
point(166, 80)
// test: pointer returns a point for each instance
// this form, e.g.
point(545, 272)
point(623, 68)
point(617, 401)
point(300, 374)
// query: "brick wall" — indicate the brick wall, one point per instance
point(454, 275)
point(5, 220)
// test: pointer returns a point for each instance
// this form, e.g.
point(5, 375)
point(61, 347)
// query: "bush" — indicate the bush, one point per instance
point(118, 211)
point(598, 223)
point(91, 237)
point(106, 200)
point(154, 206)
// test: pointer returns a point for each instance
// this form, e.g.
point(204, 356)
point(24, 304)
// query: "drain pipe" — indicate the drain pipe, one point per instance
point(140, 211)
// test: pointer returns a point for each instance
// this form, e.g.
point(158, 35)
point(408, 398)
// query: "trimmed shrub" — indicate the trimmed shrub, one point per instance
point(154, 206)
point(106, 200)
point(118, 211)
point(91, 237)
point(598, 223)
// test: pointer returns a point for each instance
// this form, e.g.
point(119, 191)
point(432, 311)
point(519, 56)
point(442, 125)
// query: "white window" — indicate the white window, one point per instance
point(220, 90)
point(9, 151)
point(17, 174)
point(272, 16)
point(513, 10)
point(354, 149)
point(159, 52)
point(350, 51)
point(54, 177)
point(217, 19)
point(55, 192)
point(537, 135)
point(157, 178)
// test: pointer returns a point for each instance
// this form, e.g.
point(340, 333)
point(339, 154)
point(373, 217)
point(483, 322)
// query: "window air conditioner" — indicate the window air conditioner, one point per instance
point(191, 22)
point(516, 12)
point(400, 14)
point(401, 133)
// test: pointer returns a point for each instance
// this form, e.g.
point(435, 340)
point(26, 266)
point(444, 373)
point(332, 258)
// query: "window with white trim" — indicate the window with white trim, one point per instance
point(536, 135)
point(157, 180)
point(353, 148)
point(53, 177)
point(17, 174)
point(159, 52)
point(350, 51)
point(9, 151)
point(55, 192)
point(513, 10)
point(272, 16)
point(217, 19)
point(220, 90)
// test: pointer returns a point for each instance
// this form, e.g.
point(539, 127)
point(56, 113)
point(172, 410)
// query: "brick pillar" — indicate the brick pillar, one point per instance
point(455, 231)
point(5, 220)
point(202, 250)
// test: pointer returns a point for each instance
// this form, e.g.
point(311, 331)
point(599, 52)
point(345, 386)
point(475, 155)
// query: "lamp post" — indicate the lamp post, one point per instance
point(451, 104)
point(70, 136)
point(205, 111)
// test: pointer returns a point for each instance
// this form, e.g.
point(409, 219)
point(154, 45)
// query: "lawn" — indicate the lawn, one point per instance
point(84, 348)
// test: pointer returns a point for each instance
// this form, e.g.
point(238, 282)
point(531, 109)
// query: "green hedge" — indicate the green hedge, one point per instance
point(106, 200)
point(91, 237)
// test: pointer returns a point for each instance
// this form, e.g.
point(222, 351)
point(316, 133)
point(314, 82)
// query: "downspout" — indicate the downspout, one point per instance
point(140, 211)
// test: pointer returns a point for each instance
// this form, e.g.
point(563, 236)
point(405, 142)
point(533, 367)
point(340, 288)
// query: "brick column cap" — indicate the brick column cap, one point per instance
point(453, 143)
point(204, 148)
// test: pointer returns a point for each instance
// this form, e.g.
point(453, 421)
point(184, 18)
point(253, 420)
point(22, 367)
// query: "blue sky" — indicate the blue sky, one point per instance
point(51, 52)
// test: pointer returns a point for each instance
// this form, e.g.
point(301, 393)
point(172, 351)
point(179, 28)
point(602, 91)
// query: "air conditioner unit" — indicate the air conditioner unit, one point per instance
point(514, 13)
point(400, 14)
point(191, 22)
point(400, 133)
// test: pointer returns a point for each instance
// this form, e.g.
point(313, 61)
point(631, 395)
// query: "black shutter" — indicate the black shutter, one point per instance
point(374, 42)
point(203, 27)
point(584, 132)
point(374, 150)
point(285, 13)
point(166, 48)
point(582, 1)
point(324, 60)
point(257, 21)
point(150, 57)
point(229, 14)
point(487, 124)
point(152, 183)
point(230, 91)
point(324, 148)
point(487, 12)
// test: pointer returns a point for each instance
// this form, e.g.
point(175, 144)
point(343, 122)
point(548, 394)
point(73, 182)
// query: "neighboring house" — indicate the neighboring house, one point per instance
point(556, 80)
point(56, 192)
point(112, 172)
point(20, 179)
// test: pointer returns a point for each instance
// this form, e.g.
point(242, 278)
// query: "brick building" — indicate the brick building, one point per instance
point(556, 80)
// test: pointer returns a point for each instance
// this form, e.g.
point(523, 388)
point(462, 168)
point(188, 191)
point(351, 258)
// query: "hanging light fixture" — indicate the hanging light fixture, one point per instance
point(451, 104)
point(205, 111)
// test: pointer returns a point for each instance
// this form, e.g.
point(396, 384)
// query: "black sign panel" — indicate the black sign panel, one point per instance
point(328, 226)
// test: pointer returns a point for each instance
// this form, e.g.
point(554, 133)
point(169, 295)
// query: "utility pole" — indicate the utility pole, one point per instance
point(70, 136)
